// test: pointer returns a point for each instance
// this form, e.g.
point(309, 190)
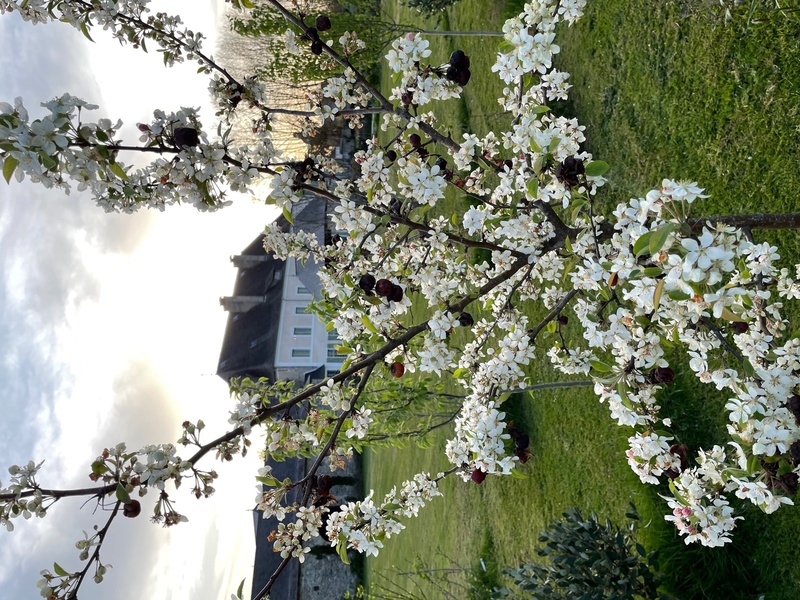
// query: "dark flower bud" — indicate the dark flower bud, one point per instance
point(396, 295)
point(185, 137)
point(451, 74)
point(568, 171)
point(663, 375)
point(463, 77)
point(441, 163)
point(415, 140)
point(132, 509)
point(406, 98)
point(739, 327)
point(391, 156)
point(324, 484)
point(508, 163)
point(465, 320)
point(383, 287)
point(793, 404)
point(790, 480)
point(367, 282)
point(563, 319)
point(794, 453)
point(323, 23)
point(478, 476)
point(459, 60)
point(397, 369)
point(682, 452)
point(312, 33)
point(316, 47)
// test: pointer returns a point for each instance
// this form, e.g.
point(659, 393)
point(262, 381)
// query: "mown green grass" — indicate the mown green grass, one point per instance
point(664, 89)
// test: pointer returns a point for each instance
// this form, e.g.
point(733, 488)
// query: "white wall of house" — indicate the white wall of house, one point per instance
point(302, 339)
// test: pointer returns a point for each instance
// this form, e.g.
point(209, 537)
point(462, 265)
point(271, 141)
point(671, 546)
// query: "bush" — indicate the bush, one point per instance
point(588, 560)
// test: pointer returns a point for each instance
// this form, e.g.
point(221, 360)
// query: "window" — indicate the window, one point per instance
point(331, 373)
point(299, 310)
point(302, 331)
point(333, 336)
point(333, 355)
point(301, 353)
point(303, 290)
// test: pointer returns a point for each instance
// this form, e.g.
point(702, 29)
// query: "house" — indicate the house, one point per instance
point(271, 334)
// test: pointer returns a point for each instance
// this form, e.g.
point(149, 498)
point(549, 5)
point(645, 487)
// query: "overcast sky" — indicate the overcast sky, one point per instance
point(110, 329)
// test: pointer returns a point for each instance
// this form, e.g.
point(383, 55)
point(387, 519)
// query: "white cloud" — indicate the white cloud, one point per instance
point(111, 329)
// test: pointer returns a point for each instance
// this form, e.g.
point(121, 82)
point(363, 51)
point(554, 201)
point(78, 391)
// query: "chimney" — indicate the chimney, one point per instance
point(240, 304)
point(249, 261)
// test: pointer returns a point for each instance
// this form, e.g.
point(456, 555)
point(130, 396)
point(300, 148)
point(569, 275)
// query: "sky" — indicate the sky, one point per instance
point(110, 330)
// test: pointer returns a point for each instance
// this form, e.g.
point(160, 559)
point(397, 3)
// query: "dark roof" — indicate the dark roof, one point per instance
point(248, 347)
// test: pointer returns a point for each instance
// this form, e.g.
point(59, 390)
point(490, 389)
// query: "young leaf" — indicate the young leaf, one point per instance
point(533, 187)
point(60, 571)
point(119, 171)
point(9, 166)
point(596, 168)
point(657, 293)
point(122, 494)
point(642, 245)
point(659, 237)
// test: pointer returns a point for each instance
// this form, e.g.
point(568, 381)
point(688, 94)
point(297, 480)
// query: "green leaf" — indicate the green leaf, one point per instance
point(657, 293)
point(678, 295)
point(596, 168)
point(60, 571)
point(600, 366)
point(9, 166)
point(642, 245)
point(730, 316)
point(533, 187)
point(271, 481)
point(391, 507)
point(659, 237)
point(99, 467)
point(652, 272)
point(122, 494)
point(119, 171)
point(48, 162)
point(85, 31)
point(368, 324)
point(240, 589)
point(341, 548)
point(517, 475)
point(288, 216)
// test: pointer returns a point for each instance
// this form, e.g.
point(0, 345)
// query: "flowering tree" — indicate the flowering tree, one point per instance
point(646, 278)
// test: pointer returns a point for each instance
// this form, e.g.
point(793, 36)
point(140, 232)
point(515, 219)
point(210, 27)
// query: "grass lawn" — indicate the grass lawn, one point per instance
point(665, 89)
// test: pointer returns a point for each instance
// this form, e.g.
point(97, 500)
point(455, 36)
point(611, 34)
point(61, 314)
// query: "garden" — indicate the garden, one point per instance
point(672, 89)
point(578, 300)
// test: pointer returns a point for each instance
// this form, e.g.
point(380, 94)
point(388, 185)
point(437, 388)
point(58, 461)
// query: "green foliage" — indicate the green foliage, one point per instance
point(430, 6)
point(407, 410)
point(360, 16)
point(589, 560)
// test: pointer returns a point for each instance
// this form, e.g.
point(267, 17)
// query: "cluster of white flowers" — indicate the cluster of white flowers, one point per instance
point(159, 464)
point(706, 293)
point(23, 479)
point(479, 442)
point(363, 526)
point(288, 539)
